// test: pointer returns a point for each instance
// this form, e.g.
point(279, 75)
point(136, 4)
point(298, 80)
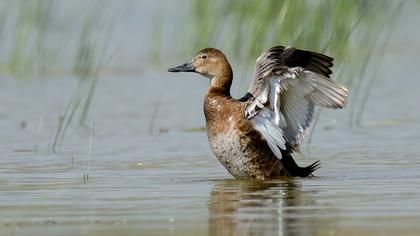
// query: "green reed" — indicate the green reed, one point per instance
point(86, 163)
point(28, 52)
point(90, 58)
point(35, 49)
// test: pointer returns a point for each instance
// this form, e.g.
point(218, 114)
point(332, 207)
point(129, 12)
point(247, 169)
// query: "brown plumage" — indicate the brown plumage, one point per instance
point(253, 137)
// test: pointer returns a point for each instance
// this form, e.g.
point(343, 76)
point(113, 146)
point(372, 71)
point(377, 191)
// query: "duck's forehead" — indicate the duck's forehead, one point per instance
point(211, 51)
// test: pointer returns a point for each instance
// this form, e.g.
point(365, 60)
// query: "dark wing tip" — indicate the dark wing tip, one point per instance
point(276, 48)
point(318, 62)
point(292, 57)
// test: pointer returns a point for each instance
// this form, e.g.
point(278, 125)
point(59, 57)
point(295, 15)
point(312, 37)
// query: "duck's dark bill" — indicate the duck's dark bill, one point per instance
point(186, 67)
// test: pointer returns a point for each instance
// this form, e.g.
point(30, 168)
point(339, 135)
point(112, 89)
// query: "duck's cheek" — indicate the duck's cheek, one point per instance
point(200, 70)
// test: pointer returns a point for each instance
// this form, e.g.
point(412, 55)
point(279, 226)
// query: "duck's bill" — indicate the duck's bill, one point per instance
point(186, 67)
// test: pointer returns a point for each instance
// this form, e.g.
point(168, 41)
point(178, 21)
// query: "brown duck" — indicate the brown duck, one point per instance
point(254, 136)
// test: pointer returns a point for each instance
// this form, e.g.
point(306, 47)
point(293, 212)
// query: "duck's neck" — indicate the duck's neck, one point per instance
point(220, 84)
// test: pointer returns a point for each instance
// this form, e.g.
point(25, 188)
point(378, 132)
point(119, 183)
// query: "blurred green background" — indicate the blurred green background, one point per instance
point(42, 38)
point(97, 137)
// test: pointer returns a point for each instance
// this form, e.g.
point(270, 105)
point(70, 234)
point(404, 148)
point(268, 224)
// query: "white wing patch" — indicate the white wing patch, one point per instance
point(284, 109)
point(264, 123)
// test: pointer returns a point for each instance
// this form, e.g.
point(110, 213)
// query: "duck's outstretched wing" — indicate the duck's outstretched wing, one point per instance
point(288, 84)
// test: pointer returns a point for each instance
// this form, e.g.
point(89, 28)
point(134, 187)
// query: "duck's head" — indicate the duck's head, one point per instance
point(209, 62)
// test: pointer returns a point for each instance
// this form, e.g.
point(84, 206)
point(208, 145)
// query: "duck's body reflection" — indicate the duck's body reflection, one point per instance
point(260, 208)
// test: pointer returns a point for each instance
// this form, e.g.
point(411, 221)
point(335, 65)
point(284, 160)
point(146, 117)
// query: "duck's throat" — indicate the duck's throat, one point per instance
point(222, 82)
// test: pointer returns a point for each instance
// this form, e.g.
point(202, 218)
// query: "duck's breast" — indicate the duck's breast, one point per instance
point(226, 135)
point(228, 149)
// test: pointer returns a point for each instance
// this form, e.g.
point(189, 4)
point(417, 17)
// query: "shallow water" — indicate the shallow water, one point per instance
point(150, 174)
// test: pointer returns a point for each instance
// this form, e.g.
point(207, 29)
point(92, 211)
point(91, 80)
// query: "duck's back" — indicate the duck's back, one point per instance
point(234, 141)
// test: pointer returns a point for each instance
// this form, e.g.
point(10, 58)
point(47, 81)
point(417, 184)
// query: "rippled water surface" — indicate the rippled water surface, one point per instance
point(151, 172)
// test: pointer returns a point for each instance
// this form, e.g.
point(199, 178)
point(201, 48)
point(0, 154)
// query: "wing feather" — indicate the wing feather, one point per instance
point(288, 83)
point(290, 106)
point(264, 124)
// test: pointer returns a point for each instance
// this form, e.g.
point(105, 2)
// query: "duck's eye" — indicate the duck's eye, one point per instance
point(204, 56)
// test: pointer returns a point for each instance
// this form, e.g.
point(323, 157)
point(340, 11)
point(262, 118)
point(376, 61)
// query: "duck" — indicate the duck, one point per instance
point(254, 136)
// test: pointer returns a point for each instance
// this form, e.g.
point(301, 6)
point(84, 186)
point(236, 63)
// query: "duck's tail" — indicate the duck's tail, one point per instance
point(295, 170)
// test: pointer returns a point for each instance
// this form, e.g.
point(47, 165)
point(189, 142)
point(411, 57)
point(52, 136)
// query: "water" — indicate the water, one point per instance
point(149, 174)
